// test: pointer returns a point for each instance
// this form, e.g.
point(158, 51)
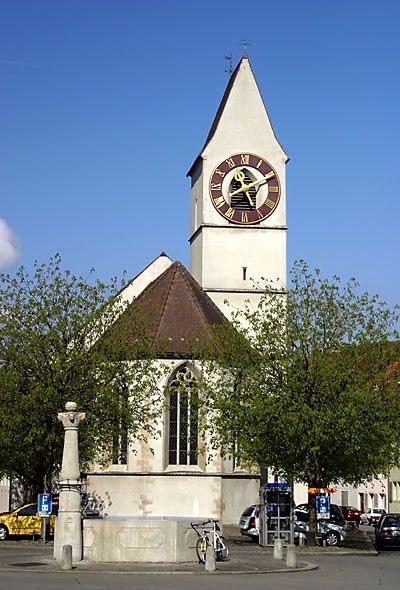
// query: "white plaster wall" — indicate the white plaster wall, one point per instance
point(196, 258)
point(229, 304)
point(169, 494)
point(300, 494)
point(228, 251)
point(196, 212)
point(237, 494)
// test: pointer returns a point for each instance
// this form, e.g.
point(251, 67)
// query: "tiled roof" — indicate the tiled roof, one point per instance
point(175, 313)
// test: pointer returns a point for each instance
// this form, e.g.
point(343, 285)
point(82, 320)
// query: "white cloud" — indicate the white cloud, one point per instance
point(9, 245)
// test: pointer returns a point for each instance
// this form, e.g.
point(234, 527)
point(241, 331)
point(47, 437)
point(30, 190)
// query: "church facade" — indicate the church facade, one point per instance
point(237, 242)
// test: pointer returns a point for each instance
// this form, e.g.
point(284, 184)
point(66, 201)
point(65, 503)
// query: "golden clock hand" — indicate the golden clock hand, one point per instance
point(242, 189)
point(245, 187)
point(263, 179)
point(239, 176)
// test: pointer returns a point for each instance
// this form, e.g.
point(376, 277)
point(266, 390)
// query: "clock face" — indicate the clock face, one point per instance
point(245, 189)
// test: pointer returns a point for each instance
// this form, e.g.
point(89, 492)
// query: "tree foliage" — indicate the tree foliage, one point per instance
point(304, 384)
point(53, 350)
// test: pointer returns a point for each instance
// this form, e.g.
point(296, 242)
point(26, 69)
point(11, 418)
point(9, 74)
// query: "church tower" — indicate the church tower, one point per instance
point(238, 200)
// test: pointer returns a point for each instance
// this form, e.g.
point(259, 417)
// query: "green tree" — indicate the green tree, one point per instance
point(303, 384)
point(54, 349)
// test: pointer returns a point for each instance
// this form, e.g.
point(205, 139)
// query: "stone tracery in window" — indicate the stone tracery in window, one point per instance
point(183, 419)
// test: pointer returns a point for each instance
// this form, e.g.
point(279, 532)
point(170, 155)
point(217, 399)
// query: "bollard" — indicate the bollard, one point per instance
point(278, 549)
point(210, 559)
point(66, 557)
point(291, 556)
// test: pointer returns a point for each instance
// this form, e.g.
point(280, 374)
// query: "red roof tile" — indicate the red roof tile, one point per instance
point(176, 314)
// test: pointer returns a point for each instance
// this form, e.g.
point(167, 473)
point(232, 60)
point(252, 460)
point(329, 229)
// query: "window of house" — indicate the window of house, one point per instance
point(183, 419)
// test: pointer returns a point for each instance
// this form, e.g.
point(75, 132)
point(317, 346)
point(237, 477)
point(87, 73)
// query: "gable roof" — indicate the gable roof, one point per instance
point(137, 284)
point(174, 313)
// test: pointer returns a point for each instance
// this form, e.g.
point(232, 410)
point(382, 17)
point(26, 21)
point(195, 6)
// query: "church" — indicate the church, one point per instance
point(237, 242)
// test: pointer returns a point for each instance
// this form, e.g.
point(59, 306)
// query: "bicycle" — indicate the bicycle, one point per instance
point(210, 537)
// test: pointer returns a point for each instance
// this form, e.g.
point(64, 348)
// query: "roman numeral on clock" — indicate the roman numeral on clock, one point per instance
point(219, 201)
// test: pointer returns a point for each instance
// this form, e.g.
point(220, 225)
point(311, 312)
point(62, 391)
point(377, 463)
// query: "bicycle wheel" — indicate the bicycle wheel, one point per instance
point(222, 551)
point(201, 549)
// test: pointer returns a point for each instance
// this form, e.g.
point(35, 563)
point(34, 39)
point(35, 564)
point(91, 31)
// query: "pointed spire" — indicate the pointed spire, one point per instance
point(243, 102)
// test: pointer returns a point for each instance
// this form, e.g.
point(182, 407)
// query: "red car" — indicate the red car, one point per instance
point(351, 514)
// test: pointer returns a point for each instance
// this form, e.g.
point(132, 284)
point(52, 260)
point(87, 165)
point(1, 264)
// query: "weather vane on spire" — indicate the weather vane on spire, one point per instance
point(246, 43)
point(229, 69)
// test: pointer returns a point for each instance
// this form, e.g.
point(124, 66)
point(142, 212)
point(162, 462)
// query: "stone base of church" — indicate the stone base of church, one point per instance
point(190, 495)
point(139, 539)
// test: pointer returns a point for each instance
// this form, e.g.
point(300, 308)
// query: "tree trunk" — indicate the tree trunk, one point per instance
point(312, 522)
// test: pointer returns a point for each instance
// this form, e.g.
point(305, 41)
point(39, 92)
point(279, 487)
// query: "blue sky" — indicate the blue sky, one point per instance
point(105, 105)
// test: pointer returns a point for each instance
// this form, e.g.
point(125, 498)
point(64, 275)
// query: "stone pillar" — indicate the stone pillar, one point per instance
point(210, 559)
point(69, 521)
point(278, 549)
point(291, 556)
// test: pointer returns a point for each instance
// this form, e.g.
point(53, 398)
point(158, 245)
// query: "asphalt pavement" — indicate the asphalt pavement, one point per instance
point(245, 557)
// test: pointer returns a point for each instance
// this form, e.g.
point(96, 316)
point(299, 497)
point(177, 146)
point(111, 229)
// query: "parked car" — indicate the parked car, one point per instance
point(372, 515)
point(387, 531)
point(329, 532)
point(249, 522)
point(302, 512)
point(24, 521)
point(351, 514)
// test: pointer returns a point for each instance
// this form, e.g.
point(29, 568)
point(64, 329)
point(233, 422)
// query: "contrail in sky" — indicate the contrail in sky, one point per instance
point(23, 64)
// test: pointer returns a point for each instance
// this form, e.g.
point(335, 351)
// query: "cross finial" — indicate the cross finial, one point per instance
point(246, 43)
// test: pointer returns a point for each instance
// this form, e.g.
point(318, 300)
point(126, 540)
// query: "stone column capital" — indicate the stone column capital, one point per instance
point(71, 418)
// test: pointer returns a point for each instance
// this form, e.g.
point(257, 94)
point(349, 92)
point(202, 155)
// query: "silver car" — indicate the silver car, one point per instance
point(249, 522)
point(329, 532)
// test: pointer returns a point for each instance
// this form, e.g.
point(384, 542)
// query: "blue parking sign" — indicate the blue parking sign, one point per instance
point(322, 506)
point(44, 504)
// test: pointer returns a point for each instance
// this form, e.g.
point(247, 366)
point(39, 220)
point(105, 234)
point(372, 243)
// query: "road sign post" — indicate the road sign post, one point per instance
point(44, 510)
point(322, 505)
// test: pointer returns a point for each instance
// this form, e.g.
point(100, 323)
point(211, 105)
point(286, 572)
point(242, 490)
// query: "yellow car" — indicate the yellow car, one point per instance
point(24, 521)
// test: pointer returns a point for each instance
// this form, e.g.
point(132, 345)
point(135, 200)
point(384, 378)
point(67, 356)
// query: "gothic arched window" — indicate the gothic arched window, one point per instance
point(183, 419)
